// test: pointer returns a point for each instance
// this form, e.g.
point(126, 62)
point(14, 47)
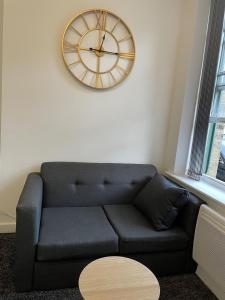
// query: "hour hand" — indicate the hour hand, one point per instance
point(102, 42)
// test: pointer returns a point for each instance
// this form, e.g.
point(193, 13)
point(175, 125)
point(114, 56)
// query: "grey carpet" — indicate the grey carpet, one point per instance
point(180, 287)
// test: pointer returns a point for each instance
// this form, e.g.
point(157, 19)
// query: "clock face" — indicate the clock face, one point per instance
point(98, 48)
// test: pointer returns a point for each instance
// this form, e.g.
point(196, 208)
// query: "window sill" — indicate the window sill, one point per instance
point(214, 196)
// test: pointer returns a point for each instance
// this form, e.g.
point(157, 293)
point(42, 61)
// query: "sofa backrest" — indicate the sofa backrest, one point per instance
point(91, 184)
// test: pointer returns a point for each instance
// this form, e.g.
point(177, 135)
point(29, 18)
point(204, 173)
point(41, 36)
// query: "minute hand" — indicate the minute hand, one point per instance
point(128, 55)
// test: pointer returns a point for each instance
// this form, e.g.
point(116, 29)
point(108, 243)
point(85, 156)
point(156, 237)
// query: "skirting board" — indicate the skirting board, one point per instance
point(210, 283)
point(8, 227)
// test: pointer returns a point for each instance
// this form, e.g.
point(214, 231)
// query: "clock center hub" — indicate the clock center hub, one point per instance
point(100, 54)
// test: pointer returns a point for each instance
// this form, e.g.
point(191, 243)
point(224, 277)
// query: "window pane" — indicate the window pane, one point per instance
point(215, 166)
point(220, 80)
point(221, 108)
point(222, 59)
point(222, 54)
point(214, 158)
point(218, 107)
point(221, 167)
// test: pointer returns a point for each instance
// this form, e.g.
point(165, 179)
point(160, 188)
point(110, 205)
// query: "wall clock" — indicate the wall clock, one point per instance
point(98, 48)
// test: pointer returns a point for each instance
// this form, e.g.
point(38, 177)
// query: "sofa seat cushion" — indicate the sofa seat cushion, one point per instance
point(136, 234)
point(71, 232)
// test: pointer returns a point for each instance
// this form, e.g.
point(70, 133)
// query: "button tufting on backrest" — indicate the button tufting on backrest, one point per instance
point(78, 182)
point(106, 182)
point(133, 182)
point(90, 184)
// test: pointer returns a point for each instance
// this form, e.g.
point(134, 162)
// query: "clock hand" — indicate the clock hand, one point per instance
point(86, 49)
point(103, 51)
point(76, 47)
point(102, 42)
point(127, 55)
point(99, 39)
point(96, 50)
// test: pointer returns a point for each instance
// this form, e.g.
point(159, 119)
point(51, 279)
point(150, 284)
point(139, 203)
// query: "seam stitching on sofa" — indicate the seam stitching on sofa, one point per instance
point(111, 224)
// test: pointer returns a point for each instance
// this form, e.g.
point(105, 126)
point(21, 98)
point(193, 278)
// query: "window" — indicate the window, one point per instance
point(214, 158)
point(208, 145)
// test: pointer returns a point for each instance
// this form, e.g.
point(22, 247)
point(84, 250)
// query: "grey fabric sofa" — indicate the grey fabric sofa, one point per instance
point(72, 213)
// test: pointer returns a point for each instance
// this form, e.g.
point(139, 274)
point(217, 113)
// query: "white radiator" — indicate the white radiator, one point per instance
point(209, 250)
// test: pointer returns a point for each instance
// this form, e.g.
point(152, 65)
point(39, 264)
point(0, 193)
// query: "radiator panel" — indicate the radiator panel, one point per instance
point(209, 244)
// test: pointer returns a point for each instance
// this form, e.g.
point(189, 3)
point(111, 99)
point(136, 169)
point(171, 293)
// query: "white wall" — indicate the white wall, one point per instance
point(47, 115)
point(1, 29)
point(2, 215)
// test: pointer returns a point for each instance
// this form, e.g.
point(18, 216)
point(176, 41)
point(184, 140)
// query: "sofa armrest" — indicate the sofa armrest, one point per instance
point(188, 216)
point(187, 220)
point(28, 217)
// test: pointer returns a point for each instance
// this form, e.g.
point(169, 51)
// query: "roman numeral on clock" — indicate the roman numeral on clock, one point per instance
point(75, 30)
point(114, 27)
point(122, 70)
point(111, 76)
point(101, 20)
point(74, 63)
point(127, 55)
point(84, 75)
point(98, 81)
point(69, 48)
point(125, 38)
point(85, 22)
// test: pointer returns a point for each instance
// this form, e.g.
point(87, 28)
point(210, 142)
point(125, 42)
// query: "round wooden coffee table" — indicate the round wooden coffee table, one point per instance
point(115, 277)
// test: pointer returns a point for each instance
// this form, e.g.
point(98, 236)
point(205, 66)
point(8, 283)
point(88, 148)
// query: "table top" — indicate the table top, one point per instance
point(118, 278)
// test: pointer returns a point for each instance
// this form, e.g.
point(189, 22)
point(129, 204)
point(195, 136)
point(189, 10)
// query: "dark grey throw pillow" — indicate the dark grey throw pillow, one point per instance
point(160, 201)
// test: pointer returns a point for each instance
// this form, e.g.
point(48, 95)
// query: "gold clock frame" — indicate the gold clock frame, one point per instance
point(126, 72)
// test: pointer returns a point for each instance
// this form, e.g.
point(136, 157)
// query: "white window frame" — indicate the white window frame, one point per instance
point(213, 181)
